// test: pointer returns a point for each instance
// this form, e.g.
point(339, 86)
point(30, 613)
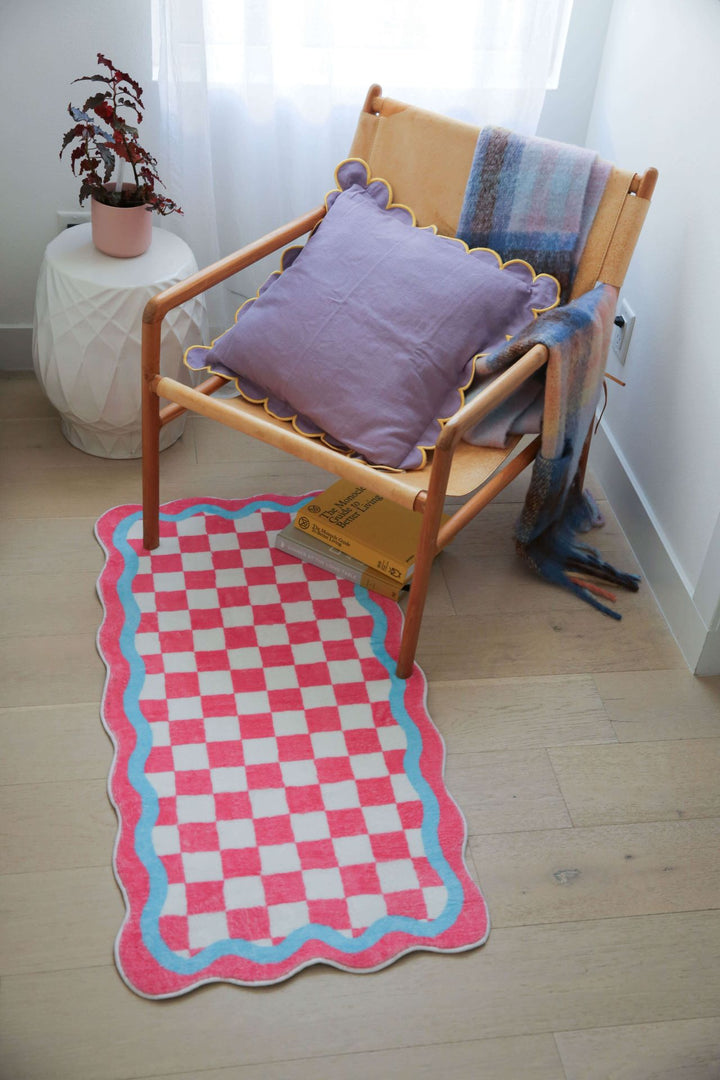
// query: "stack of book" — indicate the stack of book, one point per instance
point(358, 535)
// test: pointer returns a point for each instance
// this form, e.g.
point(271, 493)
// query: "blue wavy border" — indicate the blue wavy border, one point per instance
point(264, 954)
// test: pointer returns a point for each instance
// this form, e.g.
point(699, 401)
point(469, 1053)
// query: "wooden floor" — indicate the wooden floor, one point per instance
point(585, 756)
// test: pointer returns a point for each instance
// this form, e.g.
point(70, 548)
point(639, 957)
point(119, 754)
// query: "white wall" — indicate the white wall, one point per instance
point(657, 103)
point(44, 45)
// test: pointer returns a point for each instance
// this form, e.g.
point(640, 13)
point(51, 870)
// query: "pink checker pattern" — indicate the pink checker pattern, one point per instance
point(279, 790)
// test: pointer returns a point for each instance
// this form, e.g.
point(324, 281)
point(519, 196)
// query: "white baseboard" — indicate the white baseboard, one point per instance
point(699, 645)
point(16, 348)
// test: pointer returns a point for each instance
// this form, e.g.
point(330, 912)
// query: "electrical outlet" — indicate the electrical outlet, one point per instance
point(622, 331)
point(67, 218)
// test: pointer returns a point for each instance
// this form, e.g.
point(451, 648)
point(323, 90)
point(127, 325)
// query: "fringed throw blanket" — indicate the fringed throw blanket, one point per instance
point(556, 508)
point(532, 199)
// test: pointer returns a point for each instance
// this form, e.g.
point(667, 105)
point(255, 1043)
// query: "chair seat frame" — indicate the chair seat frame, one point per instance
point(455, 467)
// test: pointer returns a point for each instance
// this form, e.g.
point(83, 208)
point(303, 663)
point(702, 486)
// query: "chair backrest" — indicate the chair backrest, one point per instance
point(427, 160)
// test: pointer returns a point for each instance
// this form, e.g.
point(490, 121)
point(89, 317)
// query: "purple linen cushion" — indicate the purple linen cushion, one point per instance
point(368, 335)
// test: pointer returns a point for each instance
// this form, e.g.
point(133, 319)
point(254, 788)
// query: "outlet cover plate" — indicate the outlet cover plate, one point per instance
point(621, 335)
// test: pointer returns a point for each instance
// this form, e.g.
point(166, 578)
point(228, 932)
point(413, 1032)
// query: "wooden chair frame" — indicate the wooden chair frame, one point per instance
point(455, 467)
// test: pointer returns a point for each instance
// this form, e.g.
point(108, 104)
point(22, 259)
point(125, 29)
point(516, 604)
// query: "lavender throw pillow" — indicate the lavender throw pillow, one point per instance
point(368, 334)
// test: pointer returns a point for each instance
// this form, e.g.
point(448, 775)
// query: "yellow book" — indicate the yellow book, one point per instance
point(355, 521)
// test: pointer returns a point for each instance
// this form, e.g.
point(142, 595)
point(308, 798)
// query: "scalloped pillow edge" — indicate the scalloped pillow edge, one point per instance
point(297, 417)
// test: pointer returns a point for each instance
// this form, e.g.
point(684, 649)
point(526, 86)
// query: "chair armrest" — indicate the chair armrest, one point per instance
point(492, 396)
point(158, 306)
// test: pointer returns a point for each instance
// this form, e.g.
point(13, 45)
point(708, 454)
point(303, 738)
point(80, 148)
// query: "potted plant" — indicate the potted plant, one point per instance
point(116, 172)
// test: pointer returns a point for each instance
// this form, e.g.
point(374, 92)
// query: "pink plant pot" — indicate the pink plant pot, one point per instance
point(121, 231)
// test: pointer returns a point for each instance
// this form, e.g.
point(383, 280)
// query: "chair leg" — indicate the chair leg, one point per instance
point(150, 438)
point(427, 549)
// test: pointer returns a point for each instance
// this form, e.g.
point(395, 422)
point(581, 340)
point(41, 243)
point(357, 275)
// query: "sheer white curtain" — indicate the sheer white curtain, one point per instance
point(260, 98)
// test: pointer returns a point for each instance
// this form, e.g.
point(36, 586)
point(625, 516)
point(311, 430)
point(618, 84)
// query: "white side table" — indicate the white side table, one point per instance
point(87, 332)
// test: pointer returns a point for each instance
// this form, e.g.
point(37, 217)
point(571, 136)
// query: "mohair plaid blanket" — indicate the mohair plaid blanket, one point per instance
point(532, 199)
point(535, 200)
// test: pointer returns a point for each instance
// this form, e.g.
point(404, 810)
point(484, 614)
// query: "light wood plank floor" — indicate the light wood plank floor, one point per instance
point(583, 753)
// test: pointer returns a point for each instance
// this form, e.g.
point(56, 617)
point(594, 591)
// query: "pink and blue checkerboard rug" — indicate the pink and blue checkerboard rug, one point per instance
point(279, 791)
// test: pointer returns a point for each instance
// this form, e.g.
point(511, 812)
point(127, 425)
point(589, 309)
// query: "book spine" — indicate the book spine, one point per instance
point(348, 545)
point(326, 561)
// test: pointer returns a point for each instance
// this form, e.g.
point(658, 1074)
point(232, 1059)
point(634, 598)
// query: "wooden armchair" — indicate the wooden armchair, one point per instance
point(427, 159)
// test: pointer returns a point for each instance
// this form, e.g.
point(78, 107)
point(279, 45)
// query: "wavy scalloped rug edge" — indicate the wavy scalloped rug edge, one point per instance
point(280, 793)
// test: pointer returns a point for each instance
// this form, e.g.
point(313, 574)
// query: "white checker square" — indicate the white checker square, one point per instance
point(323, 884)
point(192, 526)
point(222, 541)
point(259, 595)
point(166, 839)
point(317, 697)
point(173, 582)
point(192, 808)
point(210, 640)
point(368, 766)
point(260, 751)
point(147, 644)
point(222, 728)
point(392, 737)
point(310, 826)
point(289, 573)
point(257, 557)
point(357, 716)
point(272, 634)
point(207, 929)
point(382, 819)
point(175, 900)
point(188, 757)
point(284, 918)
point(415, 843)
point(236, 835)
point(403, 789)
point(237, 616)
point(327, 744)
point(169, 545)
point(179, 661)
point(309, 652)
point(436, 898)
point(202, 866)
point(353, 850)
point(281, 678)
point(340, 796)
point(249, 704)
point(170, 622)
point(145, 602)
point(215, 682)
point(292, 722)
point(334, 629)
point(299, 773)
point(378, 689)
point(300, 611)
point(346, 671)
point(269, 802)
point(153, 688)
point(230, 578)
point(398, 875)
point(197, 561)
point(279, 858)
point(185, 708)
point(244, 659)
point(229, 778)
point(325, 589)
point(160, 733)
point(244, 892)
point(163, 782)
point(365, 910)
